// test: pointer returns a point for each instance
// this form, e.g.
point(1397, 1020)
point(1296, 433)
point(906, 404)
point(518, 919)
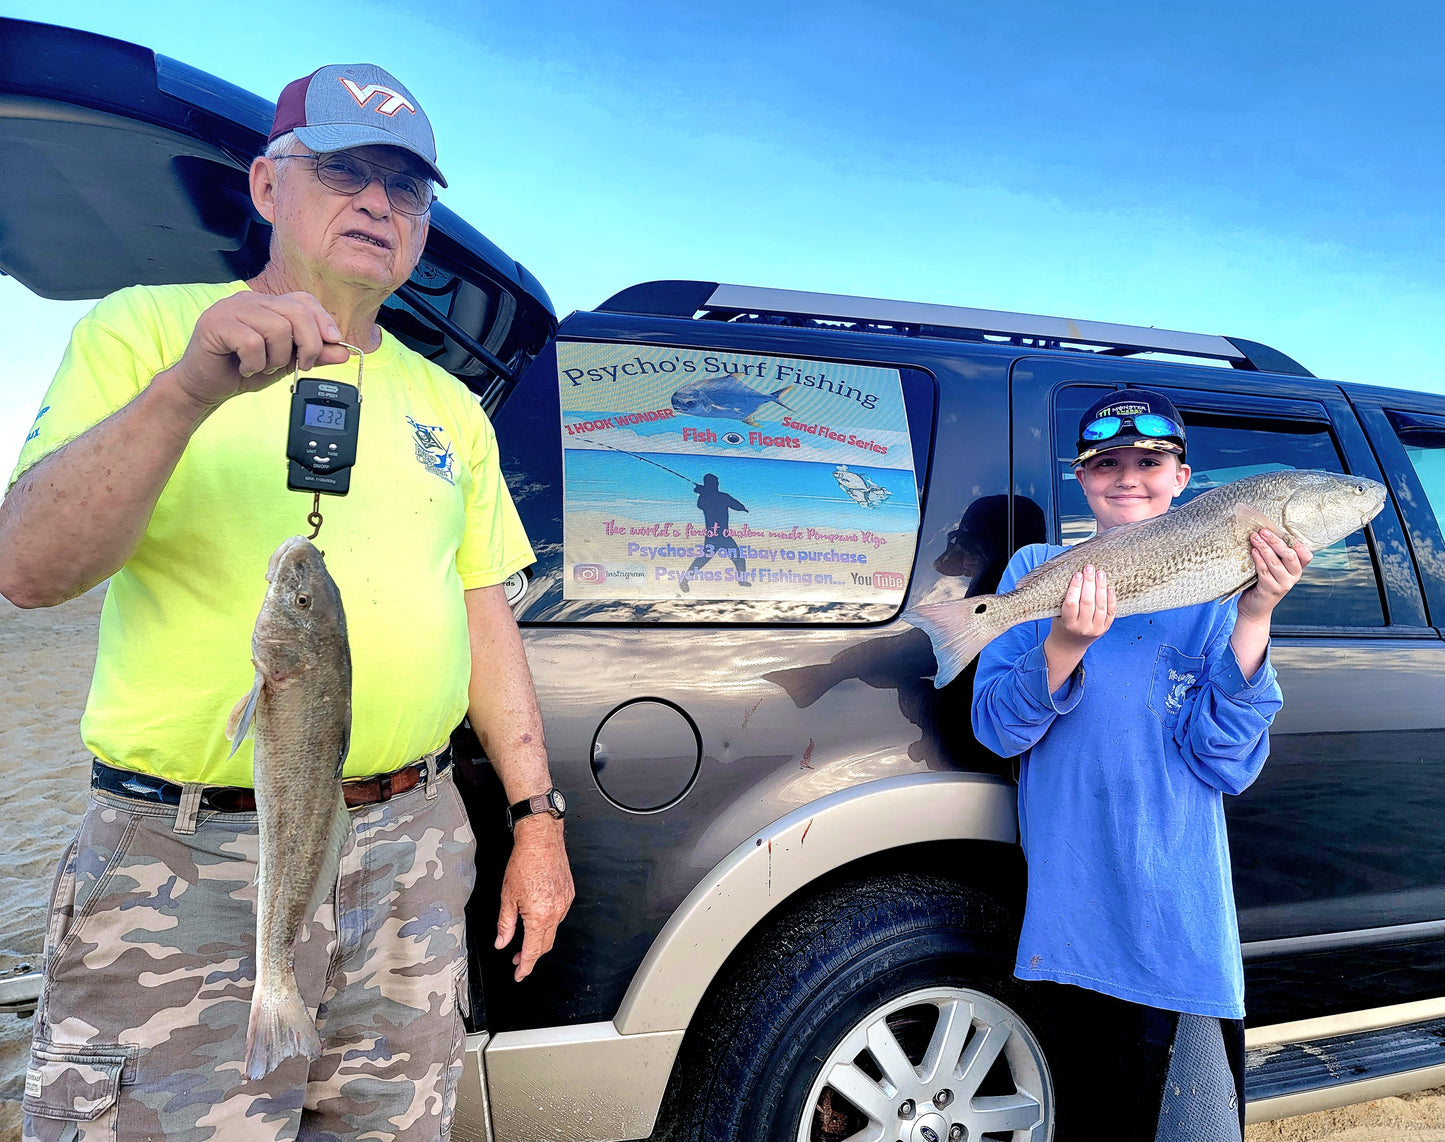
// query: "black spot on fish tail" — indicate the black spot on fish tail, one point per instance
point(978, 610)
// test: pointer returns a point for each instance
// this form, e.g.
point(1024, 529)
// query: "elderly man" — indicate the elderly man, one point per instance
point(157, 461)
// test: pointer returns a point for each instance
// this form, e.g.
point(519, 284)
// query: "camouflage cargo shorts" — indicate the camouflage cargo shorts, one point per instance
point(150, 961)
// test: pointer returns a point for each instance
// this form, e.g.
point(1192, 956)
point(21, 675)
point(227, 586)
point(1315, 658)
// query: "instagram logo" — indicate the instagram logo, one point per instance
point(889, 580)
point(589, 573)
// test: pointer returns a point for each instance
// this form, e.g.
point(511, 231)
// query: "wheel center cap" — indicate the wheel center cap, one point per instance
point(930, 1127)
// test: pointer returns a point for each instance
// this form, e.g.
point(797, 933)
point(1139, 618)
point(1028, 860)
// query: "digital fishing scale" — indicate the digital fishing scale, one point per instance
point(321, 442)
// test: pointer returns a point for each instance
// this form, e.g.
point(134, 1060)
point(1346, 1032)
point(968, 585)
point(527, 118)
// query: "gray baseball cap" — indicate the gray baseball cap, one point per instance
point(346, 105)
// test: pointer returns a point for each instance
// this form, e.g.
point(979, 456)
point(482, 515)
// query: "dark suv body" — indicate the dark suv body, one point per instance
point(797, 871)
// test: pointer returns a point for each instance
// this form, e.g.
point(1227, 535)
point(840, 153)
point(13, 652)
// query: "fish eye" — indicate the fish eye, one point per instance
point(303, 599)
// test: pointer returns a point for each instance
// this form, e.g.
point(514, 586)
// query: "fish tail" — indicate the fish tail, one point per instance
point(279, 1027)
point(958, 630)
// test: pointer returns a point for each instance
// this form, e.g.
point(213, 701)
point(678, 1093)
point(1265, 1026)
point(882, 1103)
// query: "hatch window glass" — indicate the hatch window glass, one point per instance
point(1339, 588)
point(696, 485)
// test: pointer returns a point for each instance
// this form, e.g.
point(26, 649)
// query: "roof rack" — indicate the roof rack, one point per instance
point(711, 301)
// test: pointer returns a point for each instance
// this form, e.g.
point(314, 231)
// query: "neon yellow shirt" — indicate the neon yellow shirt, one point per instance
point(428, 516)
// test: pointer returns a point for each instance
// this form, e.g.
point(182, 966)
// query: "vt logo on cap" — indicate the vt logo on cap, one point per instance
point(393, 103)
point(346, 105)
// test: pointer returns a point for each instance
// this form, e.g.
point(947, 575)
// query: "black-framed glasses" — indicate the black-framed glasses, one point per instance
point(1145, 424)
point(348, 174)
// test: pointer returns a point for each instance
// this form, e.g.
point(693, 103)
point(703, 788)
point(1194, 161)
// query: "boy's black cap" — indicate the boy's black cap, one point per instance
point(1129, 403)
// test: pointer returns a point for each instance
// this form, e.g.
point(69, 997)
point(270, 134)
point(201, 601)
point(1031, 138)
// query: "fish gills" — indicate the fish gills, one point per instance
point(1193, 554)
point(300, 712)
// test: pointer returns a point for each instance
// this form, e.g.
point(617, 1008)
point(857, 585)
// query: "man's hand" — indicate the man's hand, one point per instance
point(1279, 567)
point(537, 887)
point(245, 341)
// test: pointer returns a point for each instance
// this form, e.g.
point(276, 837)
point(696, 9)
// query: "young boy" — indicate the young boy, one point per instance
point(1129, 732)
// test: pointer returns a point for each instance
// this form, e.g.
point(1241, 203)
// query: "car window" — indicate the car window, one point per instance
point(661, 483)
point(1423, 438)
point(1339, 588)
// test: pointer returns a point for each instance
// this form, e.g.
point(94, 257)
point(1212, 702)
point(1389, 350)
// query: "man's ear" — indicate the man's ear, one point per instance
point(263, 187)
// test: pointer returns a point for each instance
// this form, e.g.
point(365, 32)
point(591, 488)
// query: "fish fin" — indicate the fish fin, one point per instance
point(238, 725)
point(280, 1026)
point(778, 396)
point(958, 629)
point(1253, 519)
point(338, 833)
point(749, 420)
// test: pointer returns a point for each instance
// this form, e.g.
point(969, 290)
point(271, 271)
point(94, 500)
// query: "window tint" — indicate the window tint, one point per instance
point(1423, 438)
point(619, 482)
point(1339, 588)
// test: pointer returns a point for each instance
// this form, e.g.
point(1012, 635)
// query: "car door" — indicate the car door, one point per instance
point(682, 715)
point(1337, 846)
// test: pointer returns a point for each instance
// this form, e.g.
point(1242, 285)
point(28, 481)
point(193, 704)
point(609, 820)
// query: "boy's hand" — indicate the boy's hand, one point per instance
point(1088, 610)
point(1279, 567)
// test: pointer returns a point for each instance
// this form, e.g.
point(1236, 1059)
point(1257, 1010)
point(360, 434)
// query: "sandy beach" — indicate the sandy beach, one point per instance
point(46, 658)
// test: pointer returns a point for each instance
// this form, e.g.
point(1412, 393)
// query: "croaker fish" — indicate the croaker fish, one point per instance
point(1189, 555)
point(300, 712)
point(725, 397)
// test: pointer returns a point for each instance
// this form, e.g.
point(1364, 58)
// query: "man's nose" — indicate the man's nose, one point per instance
point(372, 198)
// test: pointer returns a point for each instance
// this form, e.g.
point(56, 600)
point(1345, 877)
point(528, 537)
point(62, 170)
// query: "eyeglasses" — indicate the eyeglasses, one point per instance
point(1146, 424)
point(347, 174)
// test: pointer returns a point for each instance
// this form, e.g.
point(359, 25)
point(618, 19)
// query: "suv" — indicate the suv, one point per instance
point(798, 874)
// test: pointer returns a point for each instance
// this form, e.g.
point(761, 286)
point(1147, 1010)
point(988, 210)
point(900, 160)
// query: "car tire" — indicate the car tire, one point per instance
point(829, 992)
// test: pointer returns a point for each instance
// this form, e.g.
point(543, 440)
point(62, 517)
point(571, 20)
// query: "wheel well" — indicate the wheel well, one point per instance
point(989, 868)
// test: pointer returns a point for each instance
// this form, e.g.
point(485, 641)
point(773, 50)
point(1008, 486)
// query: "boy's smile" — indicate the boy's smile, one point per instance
point(1128, 484)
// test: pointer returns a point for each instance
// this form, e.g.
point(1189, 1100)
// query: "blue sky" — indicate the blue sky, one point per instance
point(1265, 170)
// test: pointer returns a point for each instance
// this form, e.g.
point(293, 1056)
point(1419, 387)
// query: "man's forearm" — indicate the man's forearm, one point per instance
point(76, 516)
point(501, 703)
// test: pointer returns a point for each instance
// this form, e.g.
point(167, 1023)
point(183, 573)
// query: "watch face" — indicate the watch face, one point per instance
point(558, 801)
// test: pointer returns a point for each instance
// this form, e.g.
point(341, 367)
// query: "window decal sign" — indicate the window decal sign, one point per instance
point(719, 475)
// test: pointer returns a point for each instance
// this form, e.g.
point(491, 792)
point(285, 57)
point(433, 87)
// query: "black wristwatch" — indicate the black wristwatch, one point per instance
point(551, 802)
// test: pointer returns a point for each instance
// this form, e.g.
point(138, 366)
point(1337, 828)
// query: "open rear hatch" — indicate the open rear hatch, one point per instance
point(119, 167)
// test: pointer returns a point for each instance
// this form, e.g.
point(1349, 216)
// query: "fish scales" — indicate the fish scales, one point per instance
point(300, 712)
point(1190, 555)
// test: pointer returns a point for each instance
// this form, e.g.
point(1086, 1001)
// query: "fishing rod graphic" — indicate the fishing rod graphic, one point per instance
point(691, 482)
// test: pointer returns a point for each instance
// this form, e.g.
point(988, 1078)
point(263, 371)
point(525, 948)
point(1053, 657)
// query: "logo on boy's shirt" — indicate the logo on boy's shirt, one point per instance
point(432, 450)
point(1179, 684)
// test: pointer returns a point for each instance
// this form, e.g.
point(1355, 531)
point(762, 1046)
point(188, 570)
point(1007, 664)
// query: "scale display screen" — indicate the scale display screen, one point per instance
point(325, 418)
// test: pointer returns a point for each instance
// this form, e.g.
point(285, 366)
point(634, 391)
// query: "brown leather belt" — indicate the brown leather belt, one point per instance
point(357, 791)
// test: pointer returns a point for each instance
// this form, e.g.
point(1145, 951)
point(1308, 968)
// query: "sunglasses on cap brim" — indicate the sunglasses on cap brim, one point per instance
point(1145, 424)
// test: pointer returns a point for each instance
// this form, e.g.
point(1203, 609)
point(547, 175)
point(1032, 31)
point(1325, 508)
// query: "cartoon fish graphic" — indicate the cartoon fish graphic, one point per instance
point(725, 397)
point(864, 492)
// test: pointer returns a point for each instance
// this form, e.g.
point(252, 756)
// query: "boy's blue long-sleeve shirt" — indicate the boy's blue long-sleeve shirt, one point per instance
point(1121, 812)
